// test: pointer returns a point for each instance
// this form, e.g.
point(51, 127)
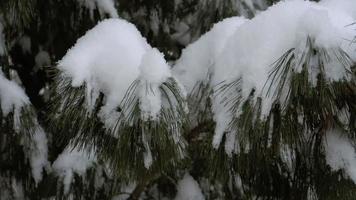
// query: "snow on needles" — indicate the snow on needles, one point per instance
point(188, 189)
point(38, 151)
point(150, 99)
point(198, 59)
point(108, 59)
point(12, 96)
point(111, 56)
point(73, 160)
point(250, 47)
point(13, 99)
point(340, 153)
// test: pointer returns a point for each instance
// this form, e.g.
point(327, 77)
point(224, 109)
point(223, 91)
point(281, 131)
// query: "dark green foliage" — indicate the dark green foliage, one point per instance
point(303, 111)
point(124, 145)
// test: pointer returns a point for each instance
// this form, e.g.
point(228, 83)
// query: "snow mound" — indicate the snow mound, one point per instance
point(198, 59)
point(12, 96)
point(108, 59)
point(188, 189)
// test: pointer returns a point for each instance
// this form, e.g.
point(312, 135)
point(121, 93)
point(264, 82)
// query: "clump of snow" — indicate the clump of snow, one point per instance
point(198, 59)
point(257, 44)
point(154, 68)
point(12, 96)
point(38, 153)
point(153, 72)
point(108, 59)
point(13, 99)
point(245, 51)
point(104, 7)
point(73, 160)
point(340, 153)
point(188, 189)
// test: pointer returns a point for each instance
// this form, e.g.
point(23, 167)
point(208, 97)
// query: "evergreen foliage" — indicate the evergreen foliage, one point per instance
point(278, 155)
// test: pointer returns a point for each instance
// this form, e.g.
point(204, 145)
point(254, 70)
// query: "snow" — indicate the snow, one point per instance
point(188, 189)
point(246, 49)
point(13, 99)
point(258, 43)
point(104, 7)
point(198, 59)
point(38, 153)
point(153, 71)
point(12, 96)
point(73, 160)
point(340, 153)
point(108, 59)
point(231, 146)
point(147, 155)
point(345, 6)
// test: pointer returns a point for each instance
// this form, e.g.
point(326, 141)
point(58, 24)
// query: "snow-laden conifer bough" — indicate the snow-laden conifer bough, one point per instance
point(18, 122)
point(18, 117)
point(278, 77)
point(282, 84)
point(115, 89)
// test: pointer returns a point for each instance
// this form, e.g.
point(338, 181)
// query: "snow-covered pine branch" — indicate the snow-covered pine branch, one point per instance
point(261, 106)
point(19, 122)
point(113, 83)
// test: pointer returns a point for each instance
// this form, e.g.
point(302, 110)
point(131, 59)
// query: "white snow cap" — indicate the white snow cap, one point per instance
point(154, 68)
point(188, 189)
point(38, 153)
point(340, 153)
point(246, 49)
point(198, 59)
point(12, 96)
point(153, 72)
point(108, 59)
point(73, 160)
